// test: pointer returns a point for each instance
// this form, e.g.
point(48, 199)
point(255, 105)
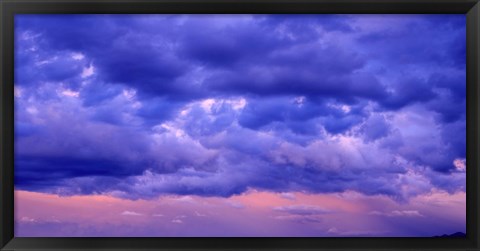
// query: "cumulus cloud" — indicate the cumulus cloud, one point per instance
point(137, 107)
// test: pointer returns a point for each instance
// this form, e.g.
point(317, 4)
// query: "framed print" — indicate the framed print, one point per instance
point(271, 124)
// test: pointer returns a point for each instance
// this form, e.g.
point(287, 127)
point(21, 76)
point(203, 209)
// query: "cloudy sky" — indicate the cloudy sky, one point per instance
point(257, 125)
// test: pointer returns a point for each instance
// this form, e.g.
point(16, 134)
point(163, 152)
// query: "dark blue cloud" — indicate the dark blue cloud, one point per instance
point(157, 110)
point(98, 92)
point(340, 125)
point(297, 113)
point(375, 127)
point(27, 169)
point(199, 124)
point(217, 105)
point(419, 39)
point(408, 91)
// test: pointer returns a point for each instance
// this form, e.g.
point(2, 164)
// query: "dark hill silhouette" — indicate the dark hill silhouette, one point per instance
point(457, 234)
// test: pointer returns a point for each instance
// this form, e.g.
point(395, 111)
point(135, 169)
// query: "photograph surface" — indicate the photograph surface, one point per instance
point(240, 125)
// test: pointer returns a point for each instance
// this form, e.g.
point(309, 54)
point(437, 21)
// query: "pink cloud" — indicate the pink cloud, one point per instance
point(260, 214)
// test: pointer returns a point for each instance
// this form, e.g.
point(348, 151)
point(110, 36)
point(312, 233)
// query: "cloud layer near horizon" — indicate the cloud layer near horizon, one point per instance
point(142, 106)
point(253, 213)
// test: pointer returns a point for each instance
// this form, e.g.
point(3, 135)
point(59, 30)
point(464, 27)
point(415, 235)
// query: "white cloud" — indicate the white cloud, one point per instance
point(238, 104)
point(207, 104)
point(77, 56)
point(17, 91)
point(398, 213)
point(70, 93)
point(406, 213)
point(88, 71)
point(289, 196)
point(187, 199)
point(199, 214)
point(32, 110)
point(235, 204)
point(332, 230)
point(129, 94)
point(460, 164)
point(299, 101)
point(46, 61)
point(301, 210)
point(27, 219)
point(131, 213)
point(177, 221)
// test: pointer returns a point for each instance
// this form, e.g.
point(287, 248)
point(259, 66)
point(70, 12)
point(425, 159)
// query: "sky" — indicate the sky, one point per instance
point(255, 125)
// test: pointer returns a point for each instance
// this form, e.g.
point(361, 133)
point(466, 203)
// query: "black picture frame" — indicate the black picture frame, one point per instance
point(8, 8)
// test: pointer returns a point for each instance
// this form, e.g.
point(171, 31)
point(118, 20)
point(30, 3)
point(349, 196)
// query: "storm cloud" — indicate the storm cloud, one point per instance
point(214, 105)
